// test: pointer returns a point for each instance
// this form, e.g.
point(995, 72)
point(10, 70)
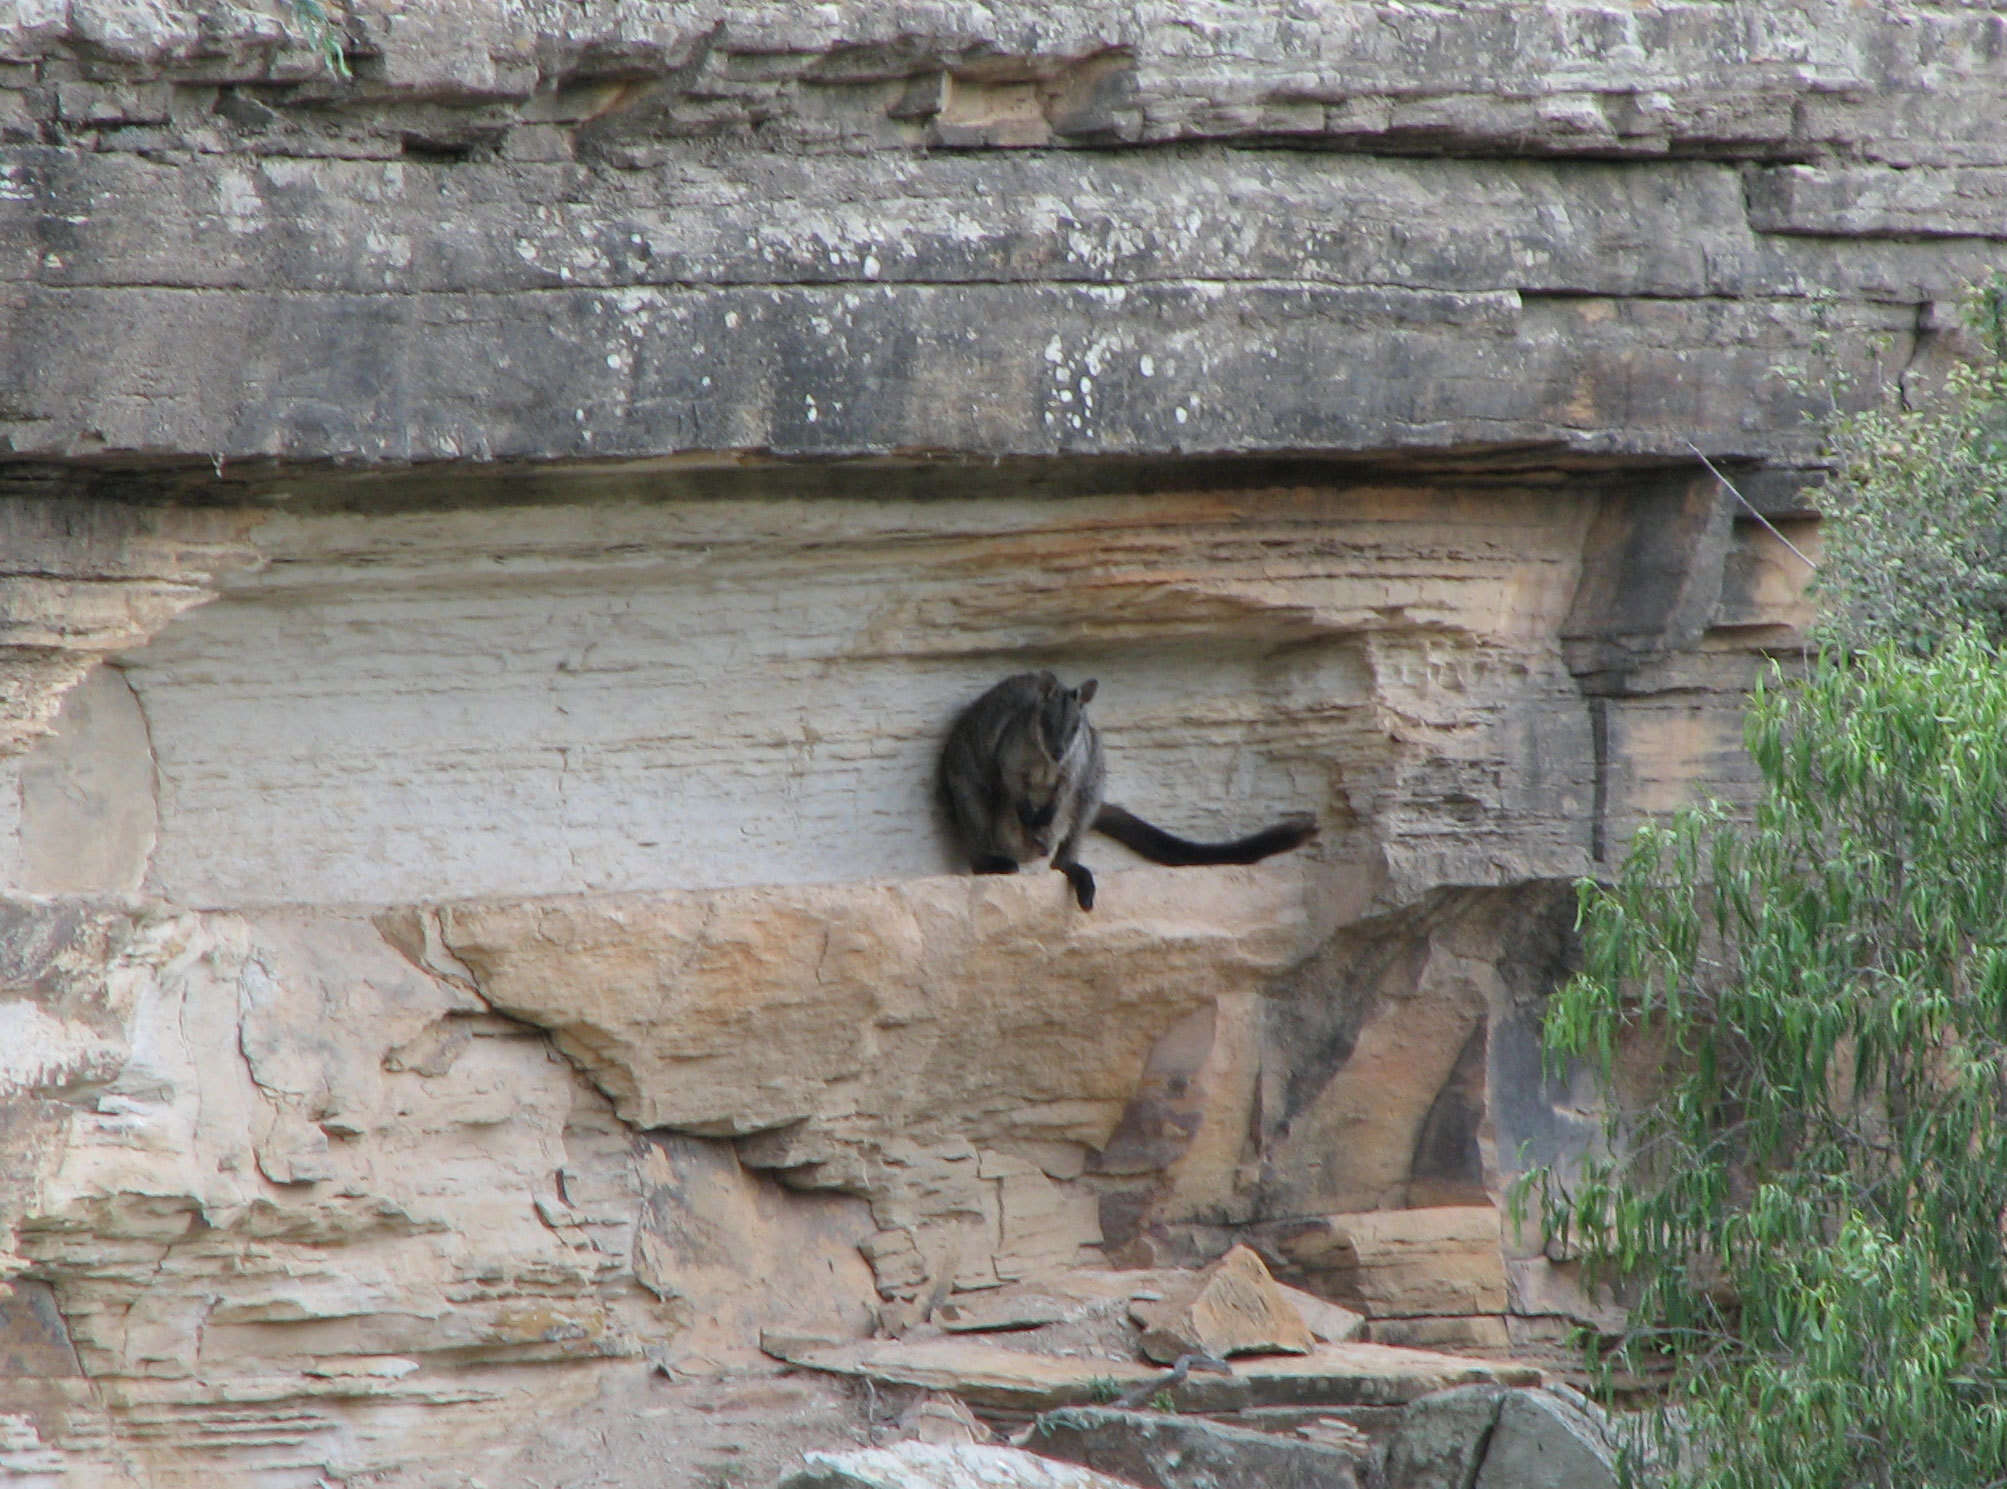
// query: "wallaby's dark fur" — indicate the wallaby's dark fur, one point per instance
point(1023, 775)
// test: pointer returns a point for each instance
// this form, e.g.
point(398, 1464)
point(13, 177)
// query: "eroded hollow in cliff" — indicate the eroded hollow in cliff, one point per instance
point(644, 755)
point(631, 678)
point(641, 757)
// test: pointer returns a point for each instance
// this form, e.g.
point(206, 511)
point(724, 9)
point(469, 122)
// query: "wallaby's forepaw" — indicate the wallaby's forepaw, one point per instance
point(1082, 880)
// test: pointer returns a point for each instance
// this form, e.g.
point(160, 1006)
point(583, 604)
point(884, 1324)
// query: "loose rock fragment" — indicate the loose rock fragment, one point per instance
point(943, 1420)
point(1233, 1307)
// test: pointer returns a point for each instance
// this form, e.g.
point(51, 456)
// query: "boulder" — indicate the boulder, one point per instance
point(1440, 1441)
point(1483, 1437)
point(1233, 1307)
point(1543, 1440)
point(925, 1465)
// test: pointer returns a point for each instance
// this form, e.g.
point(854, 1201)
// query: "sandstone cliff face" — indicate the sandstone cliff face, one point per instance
point(488, 551)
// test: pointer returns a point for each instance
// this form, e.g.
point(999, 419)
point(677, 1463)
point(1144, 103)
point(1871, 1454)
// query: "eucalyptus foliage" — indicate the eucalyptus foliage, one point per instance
point(1806, 1197)
point(1916, 515)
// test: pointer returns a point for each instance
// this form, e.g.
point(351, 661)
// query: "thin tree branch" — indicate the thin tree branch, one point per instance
point(1714, 471)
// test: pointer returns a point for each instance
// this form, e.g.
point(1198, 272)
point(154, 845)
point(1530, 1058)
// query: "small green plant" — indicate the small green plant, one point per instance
point(322, 34)
point(1103, 1389)
point(1164, 1402)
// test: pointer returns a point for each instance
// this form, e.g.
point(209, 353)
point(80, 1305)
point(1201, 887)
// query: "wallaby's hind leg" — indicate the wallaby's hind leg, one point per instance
point(995, 863)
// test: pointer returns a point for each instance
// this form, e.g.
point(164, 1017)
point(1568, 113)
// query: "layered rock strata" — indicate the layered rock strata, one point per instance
point(635, 228)
point(488, 546)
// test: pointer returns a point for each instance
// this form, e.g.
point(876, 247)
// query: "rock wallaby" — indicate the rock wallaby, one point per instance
point(1023, 773)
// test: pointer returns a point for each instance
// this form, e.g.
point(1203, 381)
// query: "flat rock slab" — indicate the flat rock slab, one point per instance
point(988, 1375)
point(1015, 1310)
point(1172, 1452)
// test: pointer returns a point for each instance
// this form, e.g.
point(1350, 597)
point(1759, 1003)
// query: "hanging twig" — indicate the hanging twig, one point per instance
point(1714, 471)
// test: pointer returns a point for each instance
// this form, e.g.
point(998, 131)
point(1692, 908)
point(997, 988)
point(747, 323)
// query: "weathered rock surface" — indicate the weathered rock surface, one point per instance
point(1327, 1321)
point(1172, 1452)
point(638, 230)
point(1233, 1307)
point(1320, 1032)
point(79, 583)
point(756, 1010)
point(830, 1028)
point(677, 683)
point(918, 1465)
point(1441, 1440)
point(286, 1190)
point(1518, 1439)
point(1542, 1441)
point(981, 1313)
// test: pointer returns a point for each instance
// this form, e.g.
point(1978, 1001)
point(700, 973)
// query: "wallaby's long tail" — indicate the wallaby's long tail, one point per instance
point(1159, 846)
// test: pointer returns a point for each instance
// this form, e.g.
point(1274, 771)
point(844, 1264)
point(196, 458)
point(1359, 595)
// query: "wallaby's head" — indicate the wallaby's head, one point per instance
point(1061, 712)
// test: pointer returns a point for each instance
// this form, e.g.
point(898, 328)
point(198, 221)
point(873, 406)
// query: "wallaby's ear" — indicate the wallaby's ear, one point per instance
point(1086, 690)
